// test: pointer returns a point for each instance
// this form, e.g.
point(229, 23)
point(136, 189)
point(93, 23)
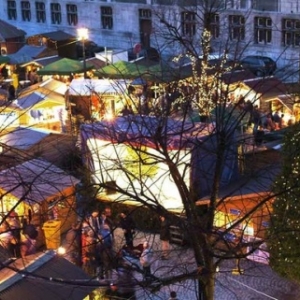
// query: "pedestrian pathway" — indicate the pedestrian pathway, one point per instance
point(258, 282)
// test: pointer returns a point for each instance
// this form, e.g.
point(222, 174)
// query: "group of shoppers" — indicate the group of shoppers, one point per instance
point(16, 237)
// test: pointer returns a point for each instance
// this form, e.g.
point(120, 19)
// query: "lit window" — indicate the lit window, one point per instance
point(263, 30)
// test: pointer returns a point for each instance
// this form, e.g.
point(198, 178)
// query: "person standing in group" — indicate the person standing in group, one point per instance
point(28, 240)
point(15, 229)
point(145, 261)
point(165, 236)
point(72, 243)
point(173, 296)
point(106, 218)
point(94, 222)
point(89, 253)
point(127, 224)
point(105, 250)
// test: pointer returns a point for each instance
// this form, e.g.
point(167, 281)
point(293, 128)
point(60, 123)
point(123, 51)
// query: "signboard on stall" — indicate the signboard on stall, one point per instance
point(9, 119)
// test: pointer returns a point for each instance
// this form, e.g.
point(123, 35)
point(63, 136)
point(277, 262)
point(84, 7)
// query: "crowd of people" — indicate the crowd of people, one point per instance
point(99, 257)
point(90, 244)
point(17, 237)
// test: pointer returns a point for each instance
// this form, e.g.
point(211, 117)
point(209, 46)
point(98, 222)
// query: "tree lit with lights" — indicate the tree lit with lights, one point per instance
point(285, 225)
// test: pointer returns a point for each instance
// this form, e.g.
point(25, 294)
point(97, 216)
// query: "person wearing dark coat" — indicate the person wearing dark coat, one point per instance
point(128, 226)
point(165, 236)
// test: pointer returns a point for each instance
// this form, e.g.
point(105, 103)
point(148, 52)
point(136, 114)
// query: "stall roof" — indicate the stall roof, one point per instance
point(35, 181)
point(42, 62)
point(23, 137)
point(29, 52)
point(51, 85)
point(285, 100)
point(8, 31)
point(58, 35)
point(86, 87)
point(34, 98)
point(68, 281)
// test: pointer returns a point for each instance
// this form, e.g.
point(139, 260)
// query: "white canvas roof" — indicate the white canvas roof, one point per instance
point(86, 87)
point(35, 180)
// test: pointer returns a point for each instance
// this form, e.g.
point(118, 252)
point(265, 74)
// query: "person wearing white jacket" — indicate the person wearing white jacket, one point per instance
point(145, 260)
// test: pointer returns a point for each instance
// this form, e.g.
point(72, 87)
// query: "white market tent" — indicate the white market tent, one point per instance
point(87, 87)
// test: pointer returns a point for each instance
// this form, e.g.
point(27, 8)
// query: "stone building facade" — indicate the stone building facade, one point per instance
point(269, 27)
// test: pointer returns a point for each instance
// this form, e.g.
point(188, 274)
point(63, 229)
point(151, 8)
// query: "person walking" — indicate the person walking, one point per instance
point(127, 224)
point(123, 282)
point(165, 236)
point(145, 261)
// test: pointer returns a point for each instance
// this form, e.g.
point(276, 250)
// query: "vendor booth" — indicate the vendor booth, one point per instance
point(43, 110)
point(112, 149)
point(97, 98)
point(38, 191)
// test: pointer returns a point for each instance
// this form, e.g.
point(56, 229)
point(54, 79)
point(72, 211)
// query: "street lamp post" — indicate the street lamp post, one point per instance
point(83, 35)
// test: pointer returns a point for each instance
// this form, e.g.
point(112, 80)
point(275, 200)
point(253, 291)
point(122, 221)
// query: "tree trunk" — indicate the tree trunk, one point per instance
point(207, 288)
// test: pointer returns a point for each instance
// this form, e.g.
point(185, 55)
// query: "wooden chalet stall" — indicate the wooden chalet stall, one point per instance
point(43, 106)
point(194, 160)
point(97, 98)
point(38, 191)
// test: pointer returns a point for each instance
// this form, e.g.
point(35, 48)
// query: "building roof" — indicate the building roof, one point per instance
point(42, 62)
point(29, 52)
point(30, 100)
point(35, 180)
point(267, 85)
point(236, 76)
point(23, 137)
point(58, 35)
point(8, 31)
point(96, 62)
point(47, 86)
point(44, 276)
point(87, 87)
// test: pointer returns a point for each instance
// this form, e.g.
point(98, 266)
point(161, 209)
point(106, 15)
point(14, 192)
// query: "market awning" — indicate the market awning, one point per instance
point(121, 70)
point(64, 66)
point(4, 59)
point(87, 87)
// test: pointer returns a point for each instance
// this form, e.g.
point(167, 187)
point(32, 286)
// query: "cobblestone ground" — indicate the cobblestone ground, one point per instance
point(258, 282)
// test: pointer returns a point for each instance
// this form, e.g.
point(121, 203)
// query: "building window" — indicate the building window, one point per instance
point(291, 32)
point(55, 13)
point(263, 30)
point(212, 22)
point(188, 23)
point(26, 13)
point(106, 17)
point(11, 10)
point(72, 16)
point(40, 12)
point(237, 28)
point(145, 14)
